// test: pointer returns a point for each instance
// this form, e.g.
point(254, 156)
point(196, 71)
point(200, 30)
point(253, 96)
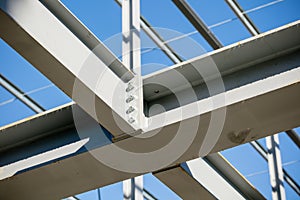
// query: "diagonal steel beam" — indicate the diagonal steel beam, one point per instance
point(241, 105)
point(200, 26)
point(20, 95)
point(294, 137)
point(237, 9)
point(197, 178)
point(55, 51)
point(88, 38)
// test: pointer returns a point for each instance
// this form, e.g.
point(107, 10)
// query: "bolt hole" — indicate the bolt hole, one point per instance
point(156, 91)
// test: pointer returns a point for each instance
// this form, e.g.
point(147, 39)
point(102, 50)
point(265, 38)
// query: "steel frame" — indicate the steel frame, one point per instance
point(10, 16)
point(274, 155)
point(131, 57)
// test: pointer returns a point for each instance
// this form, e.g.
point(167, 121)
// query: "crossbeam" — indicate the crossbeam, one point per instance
point(192, 180)
point(244, 109)
point(255, 72)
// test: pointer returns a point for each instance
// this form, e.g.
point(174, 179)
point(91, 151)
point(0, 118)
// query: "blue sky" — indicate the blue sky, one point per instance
point(103, 18)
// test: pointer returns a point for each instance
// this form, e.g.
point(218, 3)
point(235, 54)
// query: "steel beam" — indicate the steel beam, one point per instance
point(200, 26)
point(80, 171)
point(274, 156)
point(148, 195)
point(131, 57)
point(234, 61)
point(133, 189)
point(156, 38)
point(289, 180)
point(20, 95)
point(84, 163)
point(214, 170)
point(294, 137)
point(183, 184)
point(88, 38)
point(72, 198)
point(177, 178)
point(54, 50)
point(243, 17)
point(275, 168)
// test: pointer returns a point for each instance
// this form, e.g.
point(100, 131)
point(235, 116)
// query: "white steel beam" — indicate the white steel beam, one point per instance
point(294, 137)
point(207, 179)
point(131, 57)
point(155, 37)
point(20, 95)
point(274, 156)
point(183, 184)
point(233, 58)
point(243, 17)
point(285, 116)
point(199, 25)
point(198, 168)
point(88, 38)
point(34, 32)
point(275, 168)
point(249, 116)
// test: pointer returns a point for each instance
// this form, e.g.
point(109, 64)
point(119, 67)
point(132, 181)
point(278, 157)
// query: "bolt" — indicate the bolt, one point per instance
point(129, 87)
point(130, 110)
point(129, 99)
point(131, 120)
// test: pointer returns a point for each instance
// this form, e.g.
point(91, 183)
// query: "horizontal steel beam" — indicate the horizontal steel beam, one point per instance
point(183, 184)
point(78, 172)
point(62, 57)
point(61, 175)
point(238, 64)
point(249, 116)
point(188, 186)
point(229, 173)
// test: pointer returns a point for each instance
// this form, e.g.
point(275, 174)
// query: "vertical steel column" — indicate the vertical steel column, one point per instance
point(131, 49)
point(275, 168)
point(289, 180)
point(133, 188)
point(156, 38)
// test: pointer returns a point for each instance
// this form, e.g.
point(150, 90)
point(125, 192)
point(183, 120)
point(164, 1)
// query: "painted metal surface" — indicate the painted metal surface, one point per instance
point(66, 61)
point(244, 101)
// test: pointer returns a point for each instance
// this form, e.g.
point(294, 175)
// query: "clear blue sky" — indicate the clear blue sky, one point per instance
point(103, 18)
